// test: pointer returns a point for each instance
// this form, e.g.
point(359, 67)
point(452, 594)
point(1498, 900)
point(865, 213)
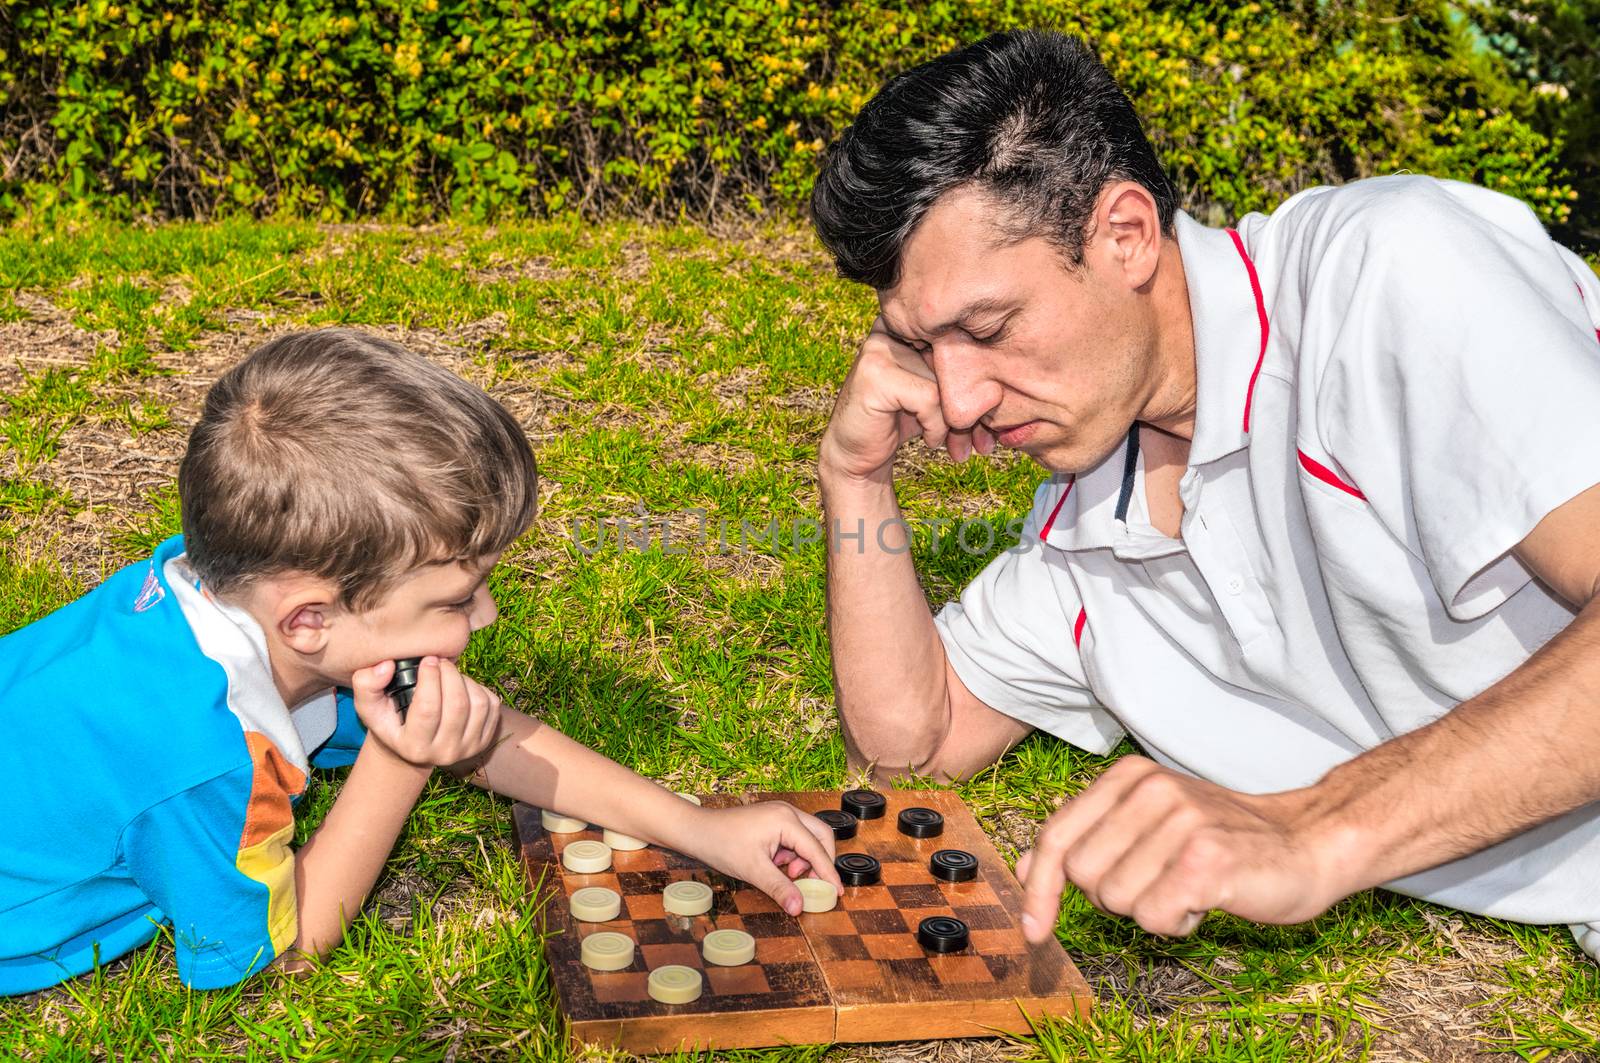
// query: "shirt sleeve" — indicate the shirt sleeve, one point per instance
point(340, 750)
point(1461, 384)
point(1010, 639)
point(216, 860)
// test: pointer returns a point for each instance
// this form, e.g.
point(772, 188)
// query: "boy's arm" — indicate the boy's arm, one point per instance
point(537, 764)
point(336, 867)
point(765, 844)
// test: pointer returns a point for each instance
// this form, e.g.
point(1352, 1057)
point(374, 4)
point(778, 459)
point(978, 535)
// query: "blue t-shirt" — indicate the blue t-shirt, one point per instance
point(161, 768)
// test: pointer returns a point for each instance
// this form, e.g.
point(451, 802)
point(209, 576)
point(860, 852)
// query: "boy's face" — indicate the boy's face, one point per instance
point(433, 609)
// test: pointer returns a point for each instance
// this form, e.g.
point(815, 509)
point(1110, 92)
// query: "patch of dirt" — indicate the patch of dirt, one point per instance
point(1433, 1009)
point(964, 1050)
point(45, 339)
point(504, 270)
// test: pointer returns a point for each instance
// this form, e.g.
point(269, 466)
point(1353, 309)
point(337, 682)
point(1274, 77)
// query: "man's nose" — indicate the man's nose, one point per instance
point(966, 391)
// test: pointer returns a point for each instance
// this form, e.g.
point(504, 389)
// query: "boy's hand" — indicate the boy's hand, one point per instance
point(767, 844)
point(450, 719)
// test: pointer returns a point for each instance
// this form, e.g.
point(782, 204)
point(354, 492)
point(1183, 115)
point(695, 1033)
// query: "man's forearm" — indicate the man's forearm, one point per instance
point(888, 662)
point(336, 867)
point(1524, 751)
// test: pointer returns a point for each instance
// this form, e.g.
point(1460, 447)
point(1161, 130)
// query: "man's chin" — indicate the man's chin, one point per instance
point(1066, 459)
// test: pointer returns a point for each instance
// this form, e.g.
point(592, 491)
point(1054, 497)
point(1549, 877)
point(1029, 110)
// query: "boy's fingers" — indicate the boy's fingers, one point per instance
point(775, 884)
point(372, 705)
point(371, 681)
point(454, 704)
point(422, 718)
point(491, 722)
point(811, 844)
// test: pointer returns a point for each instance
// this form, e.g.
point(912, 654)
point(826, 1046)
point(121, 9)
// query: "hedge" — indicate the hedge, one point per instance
point(408, 109)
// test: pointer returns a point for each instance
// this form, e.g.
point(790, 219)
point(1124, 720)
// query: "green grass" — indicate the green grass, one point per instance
point(669, 370)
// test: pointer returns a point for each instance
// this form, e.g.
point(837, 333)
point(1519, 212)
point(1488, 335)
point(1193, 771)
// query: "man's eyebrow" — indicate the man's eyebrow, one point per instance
point(962, 318)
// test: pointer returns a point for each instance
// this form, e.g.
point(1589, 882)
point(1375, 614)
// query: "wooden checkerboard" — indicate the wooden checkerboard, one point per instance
point(856, 973)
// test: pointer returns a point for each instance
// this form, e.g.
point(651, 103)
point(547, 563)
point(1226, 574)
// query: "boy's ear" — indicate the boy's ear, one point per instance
point(304, 616)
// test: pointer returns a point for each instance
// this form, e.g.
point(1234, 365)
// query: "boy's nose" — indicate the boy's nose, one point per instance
point(484, 611)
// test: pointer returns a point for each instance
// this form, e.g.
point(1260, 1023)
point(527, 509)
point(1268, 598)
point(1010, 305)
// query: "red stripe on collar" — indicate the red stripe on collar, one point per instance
point(1261, 315)
point(1044, 534)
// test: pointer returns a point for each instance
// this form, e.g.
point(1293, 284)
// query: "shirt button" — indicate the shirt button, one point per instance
point(1235, 584)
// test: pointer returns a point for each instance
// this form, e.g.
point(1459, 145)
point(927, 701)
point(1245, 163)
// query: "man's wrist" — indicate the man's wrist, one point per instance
point(1339, 842)
point(834, 475)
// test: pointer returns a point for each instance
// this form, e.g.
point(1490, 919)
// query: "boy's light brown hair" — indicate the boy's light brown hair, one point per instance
point(346, 456)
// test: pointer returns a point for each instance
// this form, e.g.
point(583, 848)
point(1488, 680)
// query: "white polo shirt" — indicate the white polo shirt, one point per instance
point(1397, 379)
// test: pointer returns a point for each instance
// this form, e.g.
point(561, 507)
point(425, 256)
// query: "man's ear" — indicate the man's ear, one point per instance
point(1127, 233)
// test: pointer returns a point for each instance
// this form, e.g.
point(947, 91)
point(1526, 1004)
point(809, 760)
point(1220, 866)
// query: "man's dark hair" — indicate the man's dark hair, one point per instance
point(1031, 118)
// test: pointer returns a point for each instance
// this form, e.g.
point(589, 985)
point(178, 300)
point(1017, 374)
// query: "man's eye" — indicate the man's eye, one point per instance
point(992, 337)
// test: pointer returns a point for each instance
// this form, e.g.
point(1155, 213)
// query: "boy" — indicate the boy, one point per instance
point(343, 503)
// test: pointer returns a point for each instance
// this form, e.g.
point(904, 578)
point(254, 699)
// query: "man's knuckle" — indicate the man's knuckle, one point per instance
point(1202, 854)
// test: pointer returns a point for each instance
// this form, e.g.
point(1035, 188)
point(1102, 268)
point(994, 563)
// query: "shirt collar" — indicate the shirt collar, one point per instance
point(1230, 333)
point(231, 637)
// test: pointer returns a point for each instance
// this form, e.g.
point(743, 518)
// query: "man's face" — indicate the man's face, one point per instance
point(1056, 363)
point(433, 609)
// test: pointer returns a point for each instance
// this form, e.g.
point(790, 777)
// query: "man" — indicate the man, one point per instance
point(1323, 533)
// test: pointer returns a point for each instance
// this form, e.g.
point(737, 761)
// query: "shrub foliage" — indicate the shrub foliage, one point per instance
point(413, 108)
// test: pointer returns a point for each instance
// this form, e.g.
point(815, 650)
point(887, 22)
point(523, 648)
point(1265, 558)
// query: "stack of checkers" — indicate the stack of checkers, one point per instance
point(923, 943)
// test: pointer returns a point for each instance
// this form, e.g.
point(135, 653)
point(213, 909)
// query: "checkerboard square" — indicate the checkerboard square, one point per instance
point(791, 949)
point(840, 947)
point(729, 981)
point(997, 942)
point(919, 895)
point(905, 873)
point(960, 967)
point(974, 894)
point(571, 883)
point(988, 917)
point(751, 901)
point(655, 932)
point(1007, 965)
point(638, 860)
point(683, 952)
point(674, 861)
point(612, 987)
point(769, 924)
point(866, 897)
point(909, 971)
point(853, 974)
point(644, 906)
point(879, 921)
point(787, 977)
point(834, 922)
point(721, 922)
point(892, 946)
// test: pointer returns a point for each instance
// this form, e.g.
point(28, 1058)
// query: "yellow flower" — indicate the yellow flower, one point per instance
point(760, 122)
point(180, 71)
